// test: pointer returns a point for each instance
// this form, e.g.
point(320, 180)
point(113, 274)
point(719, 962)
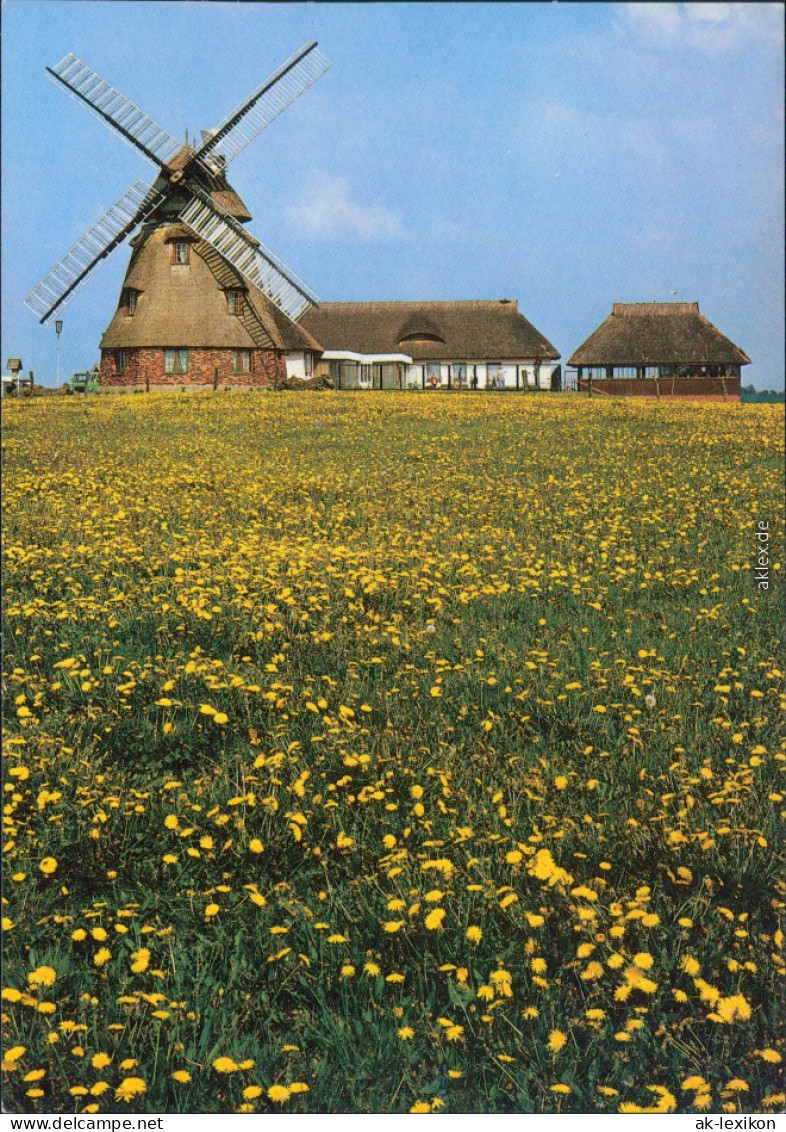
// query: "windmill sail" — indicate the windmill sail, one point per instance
point(113, 107)
point(251, 259)
point(264, 104)
point(61, 283)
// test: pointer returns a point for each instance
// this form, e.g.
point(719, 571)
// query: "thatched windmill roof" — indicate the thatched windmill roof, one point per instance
point(657, 334)
point(185, 306)
point(492, 329)
point(214, 182)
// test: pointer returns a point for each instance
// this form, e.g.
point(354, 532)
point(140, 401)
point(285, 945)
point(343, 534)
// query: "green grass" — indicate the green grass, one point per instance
point(332, 664)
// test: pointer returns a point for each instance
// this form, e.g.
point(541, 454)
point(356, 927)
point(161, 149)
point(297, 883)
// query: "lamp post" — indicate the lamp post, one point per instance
point(58, 332)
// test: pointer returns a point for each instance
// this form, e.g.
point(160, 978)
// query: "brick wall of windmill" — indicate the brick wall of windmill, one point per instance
point(144, 367)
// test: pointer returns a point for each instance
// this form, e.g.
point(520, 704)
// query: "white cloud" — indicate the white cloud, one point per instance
point(325, 209)
point(708, 27)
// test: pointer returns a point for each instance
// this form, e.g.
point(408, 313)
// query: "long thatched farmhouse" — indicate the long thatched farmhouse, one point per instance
point(431, 345)
point(659, 350)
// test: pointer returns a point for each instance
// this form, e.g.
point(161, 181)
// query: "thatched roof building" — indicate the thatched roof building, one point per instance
point(642, 343)
point(493, 330)
point(189, 308)
point(454, 345)
point(186, 317)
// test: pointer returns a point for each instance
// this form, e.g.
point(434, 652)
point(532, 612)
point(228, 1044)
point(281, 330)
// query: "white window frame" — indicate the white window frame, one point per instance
point(234, 301)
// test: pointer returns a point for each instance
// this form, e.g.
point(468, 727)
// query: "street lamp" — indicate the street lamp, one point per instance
point(58, 332)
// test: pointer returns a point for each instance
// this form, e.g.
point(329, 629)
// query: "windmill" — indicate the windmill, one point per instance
point(237, 302)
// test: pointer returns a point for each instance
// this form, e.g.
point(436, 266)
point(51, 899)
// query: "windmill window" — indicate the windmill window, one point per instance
point(235, 302)
point(176, 361)
point(180, 251)
point(308, 364)
point(241, 361)
point(130, 297)
point(120, 361)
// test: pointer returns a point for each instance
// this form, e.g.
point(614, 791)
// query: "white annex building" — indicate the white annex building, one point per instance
point(484, 344)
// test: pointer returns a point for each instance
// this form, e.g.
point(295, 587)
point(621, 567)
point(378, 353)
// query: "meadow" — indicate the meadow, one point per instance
point(391, 753)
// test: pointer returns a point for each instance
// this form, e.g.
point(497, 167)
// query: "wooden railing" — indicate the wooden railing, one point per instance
point(720, 387)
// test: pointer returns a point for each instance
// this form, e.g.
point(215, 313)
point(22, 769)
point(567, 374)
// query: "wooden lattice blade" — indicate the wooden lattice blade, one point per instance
point(133, 125)
point(264, 104)
point(250, 258)
point(61, 283)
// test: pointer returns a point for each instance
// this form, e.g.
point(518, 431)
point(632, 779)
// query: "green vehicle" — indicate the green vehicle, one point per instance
point(85, 382)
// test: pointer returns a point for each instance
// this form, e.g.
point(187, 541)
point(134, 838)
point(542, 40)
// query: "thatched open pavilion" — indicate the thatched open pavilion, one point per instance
point(659, 350)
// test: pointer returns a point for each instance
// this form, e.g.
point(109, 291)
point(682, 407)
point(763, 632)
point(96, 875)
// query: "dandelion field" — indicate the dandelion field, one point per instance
point(391, 753)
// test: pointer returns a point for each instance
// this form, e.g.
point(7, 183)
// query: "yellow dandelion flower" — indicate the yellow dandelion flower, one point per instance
point(278, 1094)
point(182, 1076)
point(735, 1008)
point(406, 1033)
point(769, 1054)
point(690, 965)
point(593, 970)
point(102, 956)
point(251, 1092)
point(434, 919)
point(48, 866)
point(556, 1040)
point(474, 934)
point(42, 977)
point(421, 1106)
point(129, 1088)
point(141, 960)
point(695, 1082)
point(100, 1060)
point(225, 1065)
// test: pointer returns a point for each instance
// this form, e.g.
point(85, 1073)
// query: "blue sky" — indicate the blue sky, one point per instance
point(566, 155)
